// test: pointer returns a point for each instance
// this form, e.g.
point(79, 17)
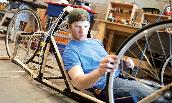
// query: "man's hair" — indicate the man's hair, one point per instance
point(78, 14)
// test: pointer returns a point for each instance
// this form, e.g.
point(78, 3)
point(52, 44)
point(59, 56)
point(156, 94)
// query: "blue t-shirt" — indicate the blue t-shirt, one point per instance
point(86, 53)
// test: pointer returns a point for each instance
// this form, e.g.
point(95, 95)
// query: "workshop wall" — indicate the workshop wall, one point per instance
point(100, 6)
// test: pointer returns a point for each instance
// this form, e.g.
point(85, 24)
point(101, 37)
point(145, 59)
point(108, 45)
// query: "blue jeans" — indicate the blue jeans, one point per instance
point(132, 90)
point(124, 87)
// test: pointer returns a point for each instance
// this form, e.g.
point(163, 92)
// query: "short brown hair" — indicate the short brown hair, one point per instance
point(78, 14)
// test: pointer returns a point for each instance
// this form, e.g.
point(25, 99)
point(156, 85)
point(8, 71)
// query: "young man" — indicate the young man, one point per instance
point(87, 61)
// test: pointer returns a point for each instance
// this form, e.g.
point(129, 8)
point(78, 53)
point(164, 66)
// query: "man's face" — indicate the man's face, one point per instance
point(79, 30)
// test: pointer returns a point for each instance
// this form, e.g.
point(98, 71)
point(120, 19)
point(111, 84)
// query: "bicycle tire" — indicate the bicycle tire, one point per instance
point(13, 41)
point(145, 36)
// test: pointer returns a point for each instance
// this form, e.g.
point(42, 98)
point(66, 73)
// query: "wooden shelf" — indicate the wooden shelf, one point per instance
point(151, 18)
point(122, 5)
point(120, 11)
point(113, 29)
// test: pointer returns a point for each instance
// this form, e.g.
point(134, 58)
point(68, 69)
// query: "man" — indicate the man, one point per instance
point(87, 61)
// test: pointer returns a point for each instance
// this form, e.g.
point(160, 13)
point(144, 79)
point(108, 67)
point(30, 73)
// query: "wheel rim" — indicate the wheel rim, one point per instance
point(144, 35)
point(23, 51)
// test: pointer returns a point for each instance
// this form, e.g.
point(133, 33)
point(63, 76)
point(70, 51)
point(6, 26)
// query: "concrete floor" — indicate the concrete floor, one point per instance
point(17, 87)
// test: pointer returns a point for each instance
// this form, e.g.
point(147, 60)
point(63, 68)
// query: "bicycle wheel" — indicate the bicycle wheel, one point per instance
point(151, 50)
point(21, 41)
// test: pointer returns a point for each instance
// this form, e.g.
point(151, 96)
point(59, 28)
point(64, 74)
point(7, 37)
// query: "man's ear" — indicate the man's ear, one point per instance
point(68, 24)
point(69, 27)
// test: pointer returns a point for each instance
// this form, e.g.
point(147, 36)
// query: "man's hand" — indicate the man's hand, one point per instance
point(127, 64)
point(109, 64)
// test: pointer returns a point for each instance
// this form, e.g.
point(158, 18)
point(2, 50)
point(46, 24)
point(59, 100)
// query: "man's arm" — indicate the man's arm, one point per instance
point(83, 81)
